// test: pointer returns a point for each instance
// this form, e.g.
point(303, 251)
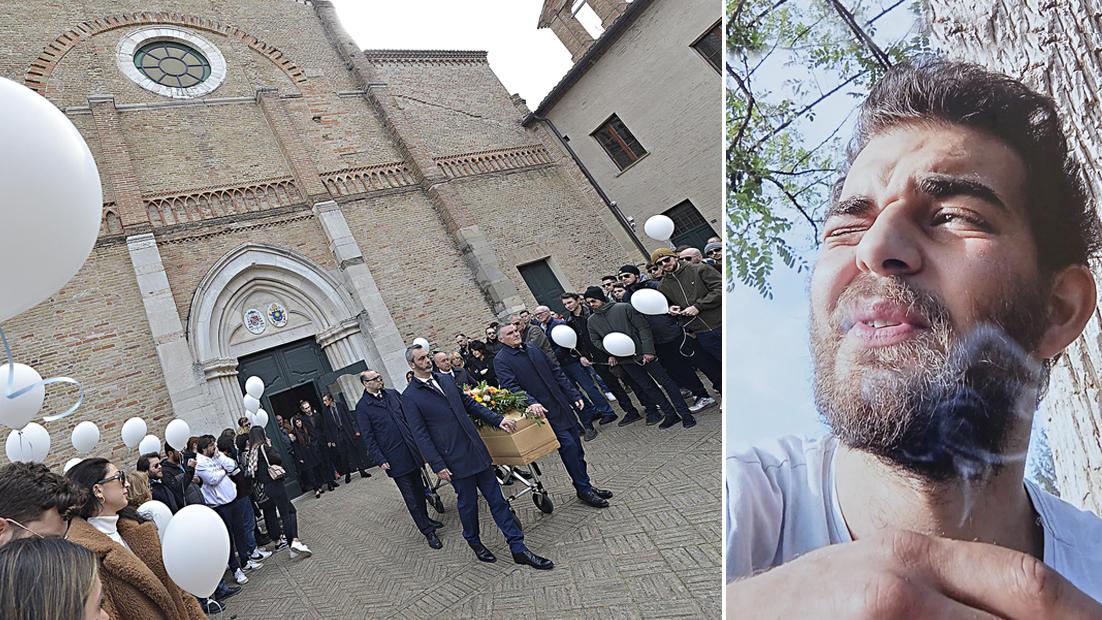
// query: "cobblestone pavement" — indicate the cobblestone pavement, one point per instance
point(654, 553)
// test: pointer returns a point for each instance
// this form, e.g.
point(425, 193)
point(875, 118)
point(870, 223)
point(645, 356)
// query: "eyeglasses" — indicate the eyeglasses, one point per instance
point(25, 528)
point(120, 476)
point(684, 259)
point(379, 378)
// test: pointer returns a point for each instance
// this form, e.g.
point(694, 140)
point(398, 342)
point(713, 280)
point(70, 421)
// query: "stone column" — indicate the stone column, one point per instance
point(287, 135)
point(116, 167)
point(186, 387)
point(385, 347)
point(224, 388)
point(500, 292)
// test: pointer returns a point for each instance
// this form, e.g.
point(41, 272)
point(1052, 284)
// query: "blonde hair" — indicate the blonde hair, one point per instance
point(457, 359)
point(139, 488)
point(45, 578)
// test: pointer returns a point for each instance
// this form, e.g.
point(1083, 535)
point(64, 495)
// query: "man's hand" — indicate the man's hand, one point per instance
point(611, 360)
point(332, 445)
point(357, 434)
point(648, 358)
point(191, 463)
point(690, 311)
point(585, 362)
point(908, 575)
point(675, 310)
point(580, 404)
point(444, 474)
point(508, 425)
point(385, 466)
point(537, 410)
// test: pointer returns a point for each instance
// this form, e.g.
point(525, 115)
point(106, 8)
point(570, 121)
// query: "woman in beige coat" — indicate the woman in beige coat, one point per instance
point(135, 582)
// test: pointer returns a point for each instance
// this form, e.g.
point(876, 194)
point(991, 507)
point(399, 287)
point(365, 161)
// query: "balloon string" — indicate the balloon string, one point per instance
point(11, 393)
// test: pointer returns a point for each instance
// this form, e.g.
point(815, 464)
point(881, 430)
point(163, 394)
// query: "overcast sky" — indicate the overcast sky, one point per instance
point(527, 60)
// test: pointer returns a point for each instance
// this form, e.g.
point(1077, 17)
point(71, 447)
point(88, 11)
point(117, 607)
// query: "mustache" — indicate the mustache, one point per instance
point(894, 290)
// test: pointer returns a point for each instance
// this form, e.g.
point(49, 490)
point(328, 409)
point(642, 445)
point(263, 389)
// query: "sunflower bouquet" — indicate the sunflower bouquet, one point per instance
point(500, 401)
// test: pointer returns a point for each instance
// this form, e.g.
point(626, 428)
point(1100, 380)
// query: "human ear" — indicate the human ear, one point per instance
point(1070, 304)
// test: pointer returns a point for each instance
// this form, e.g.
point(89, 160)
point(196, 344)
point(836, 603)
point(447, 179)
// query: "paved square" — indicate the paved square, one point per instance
point(654, 553)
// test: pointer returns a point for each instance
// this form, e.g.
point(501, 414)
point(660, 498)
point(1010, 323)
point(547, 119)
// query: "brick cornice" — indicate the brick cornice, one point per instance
point(40, 70)
point(425, 56)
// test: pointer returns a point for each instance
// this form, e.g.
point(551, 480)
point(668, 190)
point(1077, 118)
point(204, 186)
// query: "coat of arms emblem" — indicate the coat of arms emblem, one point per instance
point(254, 321)
point(277, 314)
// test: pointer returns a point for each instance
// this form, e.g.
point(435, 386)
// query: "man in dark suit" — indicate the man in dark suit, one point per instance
point(437, 413)
point(521, 366)
point(444, 366)
point(391, 444)
point(341, 437)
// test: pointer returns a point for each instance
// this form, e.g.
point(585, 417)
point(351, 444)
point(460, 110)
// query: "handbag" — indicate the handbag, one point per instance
point(275, 472)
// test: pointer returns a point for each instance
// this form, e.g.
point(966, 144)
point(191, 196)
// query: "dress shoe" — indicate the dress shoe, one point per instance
point(628, 419)
point(653, 419)
point(434, 540)
point(333, 485)
point(688, 421)
point(601, 493)
point(483, 554)
point(435, 524)
point(591, 498)
point(533, 560)
point(590, 434)
point(348, 478)
point(364, 474)
point(609, 419)
point(670, 421)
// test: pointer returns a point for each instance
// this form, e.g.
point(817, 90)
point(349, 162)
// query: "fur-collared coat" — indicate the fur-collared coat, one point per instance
point(135, 585)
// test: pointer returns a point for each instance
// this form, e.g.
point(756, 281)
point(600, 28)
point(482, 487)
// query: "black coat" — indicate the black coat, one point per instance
point(444, 433)
point(475, 368)
point(462, 378)
point(307, 452)
point(337, 425)
point(527, 368)
point(388, 437)
point(163, 494)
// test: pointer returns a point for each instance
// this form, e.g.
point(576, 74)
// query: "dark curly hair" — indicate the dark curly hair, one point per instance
point(29, 489)
point(1064, 225)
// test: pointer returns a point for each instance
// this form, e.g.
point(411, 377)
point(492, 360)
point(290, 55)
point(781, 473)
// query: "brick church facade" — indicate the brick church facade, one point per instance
point(279, 202)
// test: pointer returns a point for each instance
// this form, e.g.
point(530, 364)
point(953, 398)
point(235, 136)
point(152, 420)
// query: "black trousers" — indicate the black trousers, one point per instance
point(234, 515)
point(650, 377)
point(343, 456)
point(412, 488)
point(682, 358)
point(288, 516)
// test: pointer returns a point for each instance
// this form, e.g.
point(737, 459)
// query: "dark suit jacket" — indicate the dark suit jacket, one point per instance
point(331, 431)
point(445, 435)
point(528, 368)
point(388, 437)
point(463, 378)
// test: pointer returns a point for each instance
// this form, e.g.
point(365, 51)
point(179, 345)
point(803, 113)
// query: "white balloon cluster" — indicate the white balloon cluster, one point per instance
point(254, 389)
point(31, 443)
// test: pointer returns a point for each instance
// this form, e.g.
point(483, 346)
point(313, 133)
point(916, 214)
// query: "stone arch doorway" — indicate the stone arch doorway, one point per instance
point(260, 297)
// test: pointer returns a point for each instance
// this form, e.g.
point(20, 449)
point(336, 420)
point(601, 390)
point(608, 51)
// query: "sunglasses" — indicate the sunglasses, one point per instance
point(684, 259)
point(664, 260)
point(120, 476)
point(626, 276)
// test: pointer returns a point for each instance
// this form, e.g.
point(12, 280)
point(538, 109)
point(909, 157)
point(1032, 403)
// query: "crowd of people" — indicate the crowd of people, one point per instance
point(86, 545)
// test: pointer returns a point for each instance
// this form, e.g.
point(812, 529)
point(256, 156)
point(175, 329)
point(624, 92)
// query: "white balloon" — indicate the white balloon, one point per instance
point(148, 444)
point(69, 465)
point(133, 430)
point(251, 403)
point(158, 513)
point(619, 344)
point(659, 227)
point(195, 546)
point(424, 344)
point(650, 301)
point(18, 411)
point(29, 444)
point(261, 418)
point(85, 437)
point(255, 387)
point(564, 336)
point(52, 204)
point(177, 433)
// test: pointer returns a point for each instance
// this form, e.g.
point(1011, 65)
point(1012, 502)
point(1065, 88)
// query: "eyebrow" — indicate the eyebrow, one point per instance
point(935, 185)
